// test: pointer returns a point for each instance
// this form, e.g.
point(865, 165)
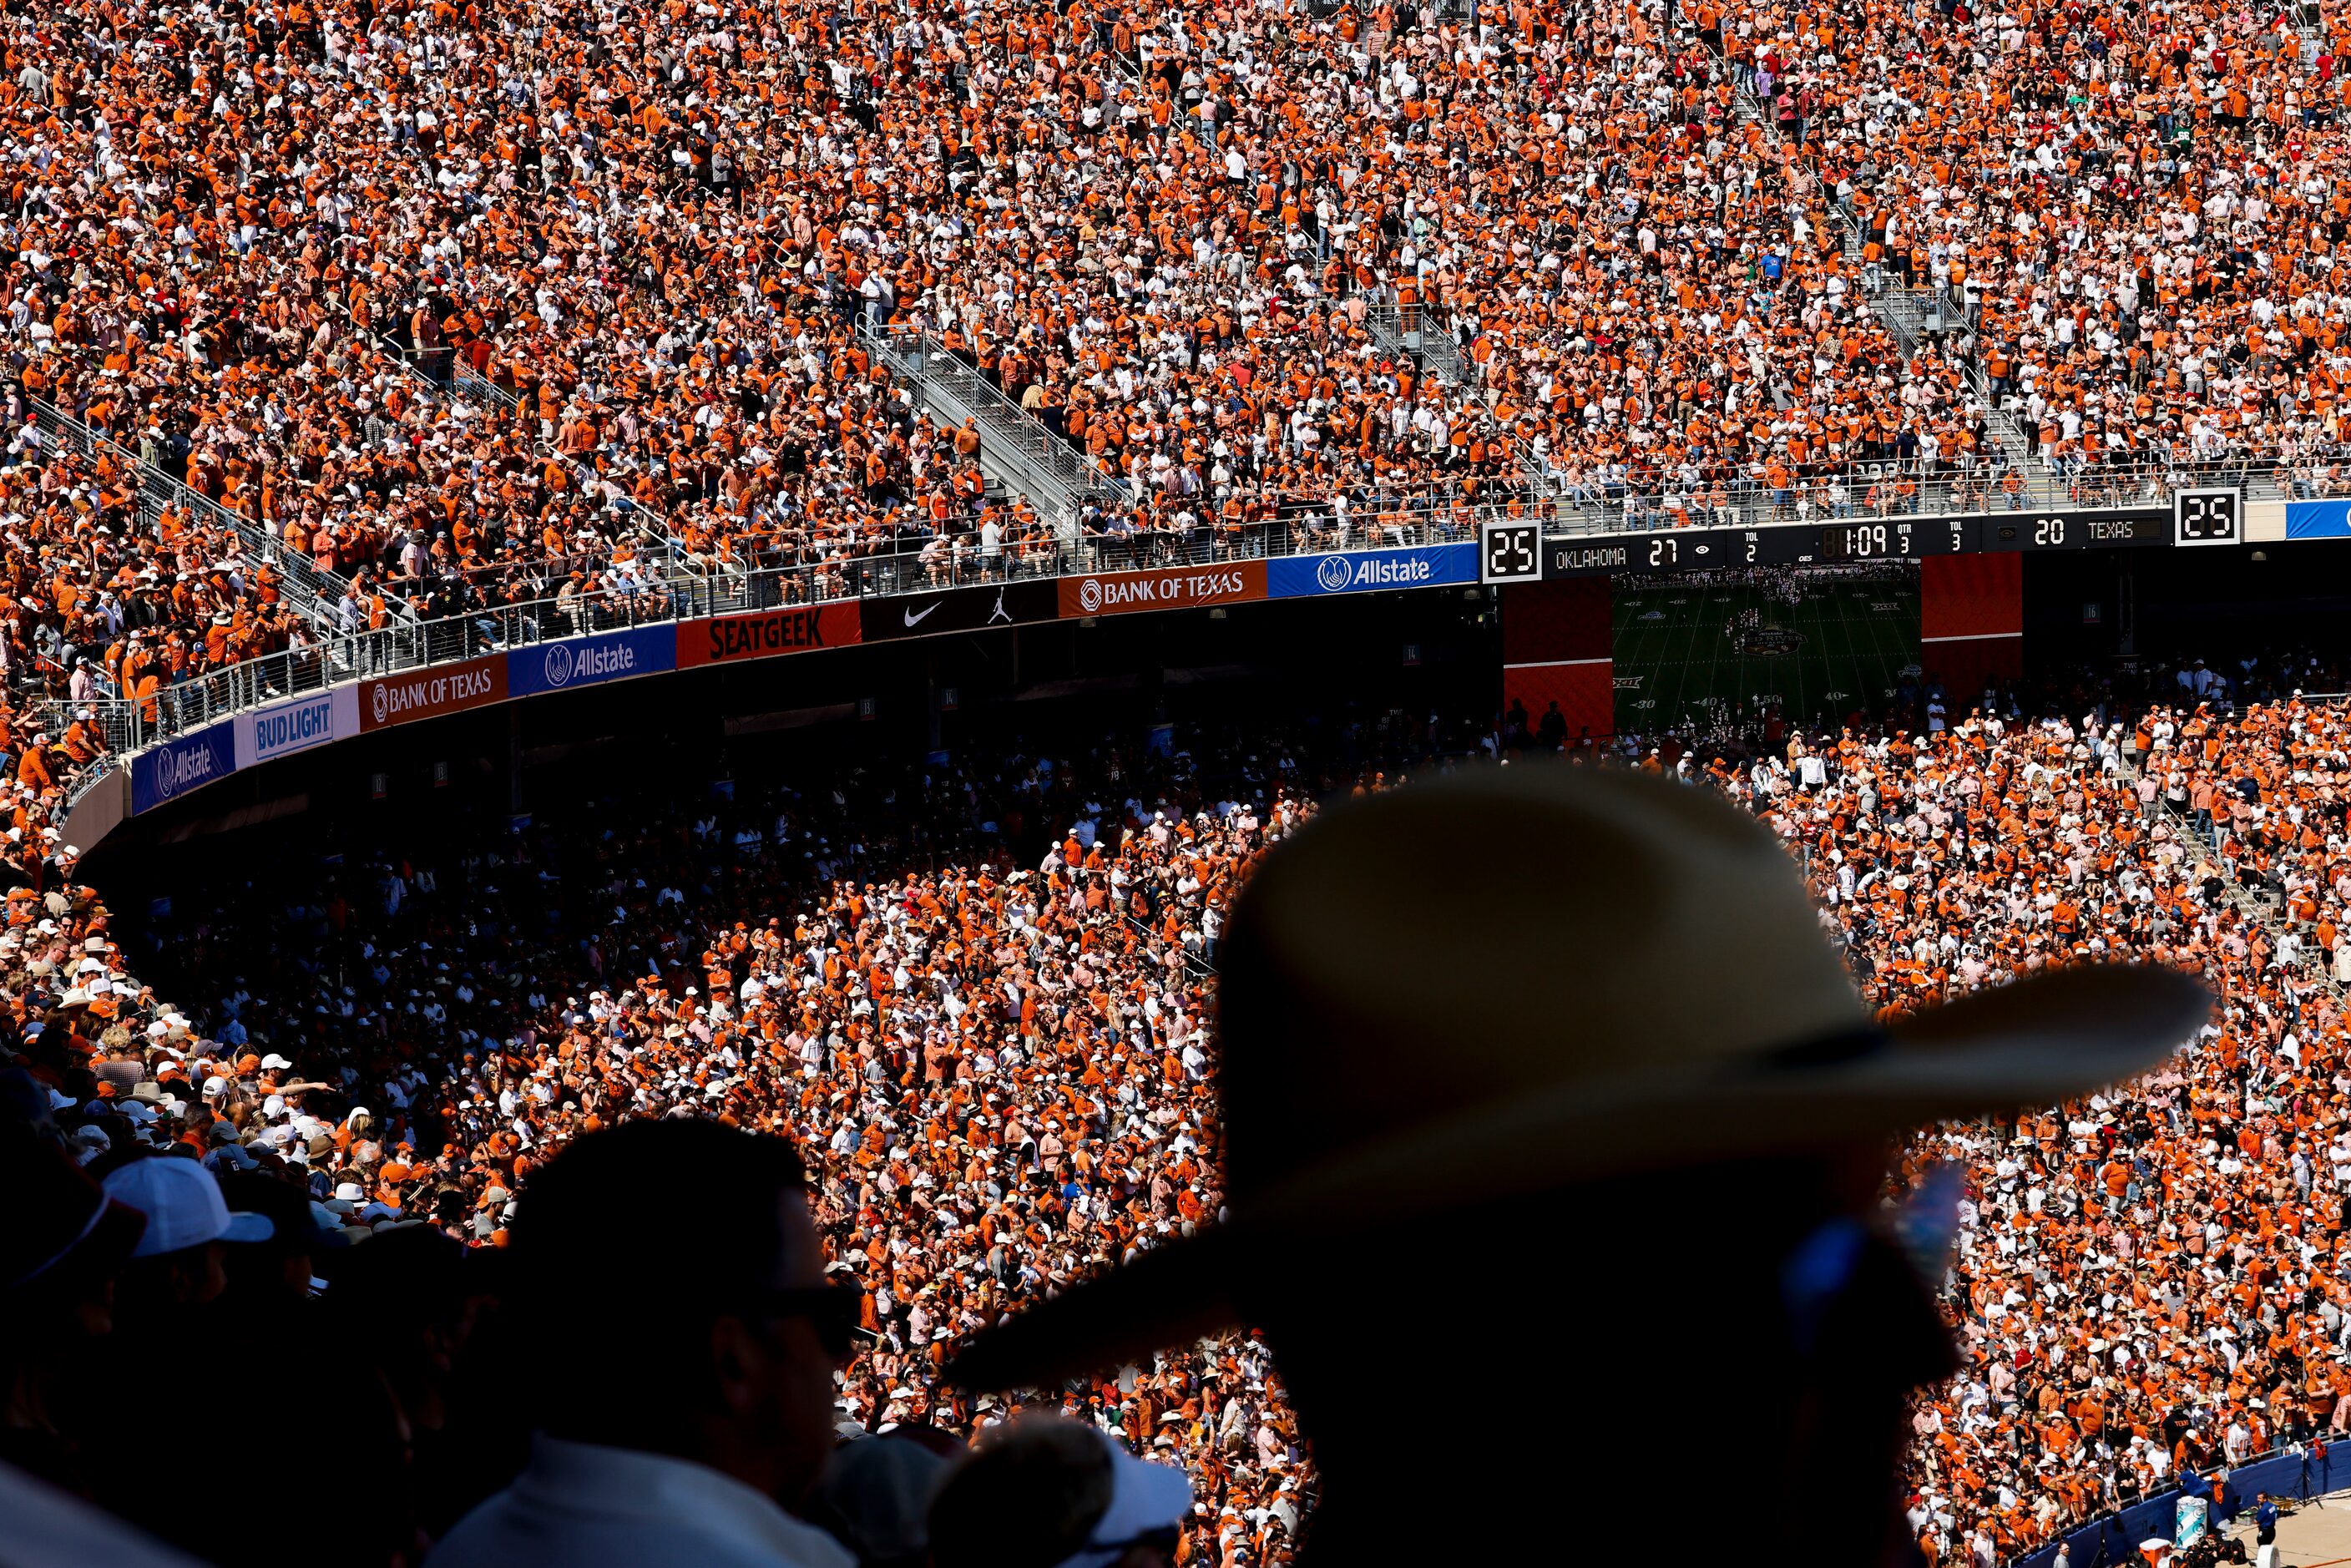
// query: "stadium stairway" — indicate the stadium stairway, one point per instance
point(492, 399)
point(1910, 315)
point(1017, 452)
point(316, 595)
point(1427, 342)
point(2257, 910)
point(1423, 337)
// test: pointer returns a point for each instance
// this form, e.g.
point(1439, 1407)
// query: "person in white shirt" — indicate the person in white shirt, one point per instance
point(672, 1280)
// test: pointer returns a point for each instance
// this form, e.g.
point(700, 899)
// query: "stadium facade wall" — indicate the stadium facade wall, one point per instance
point(1557, 640)
point(2115, 1538)
point(1971, 622)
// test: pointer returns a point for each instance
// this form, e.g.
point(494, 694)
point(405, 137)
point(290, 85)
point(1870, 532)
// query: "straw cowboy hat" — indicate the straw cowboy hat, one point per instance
point(1511, 980)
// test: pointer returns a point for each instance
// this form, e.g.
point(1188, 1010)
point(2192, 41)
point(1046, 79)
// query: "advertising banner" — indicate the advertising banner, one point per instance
point(766, 633)
point(165, 773)
point(590, 661)
point(1000, 604)
point(297, 725)
point(429, 694)
point(1364, 572)
point(1169, 588)
point(2318, 519)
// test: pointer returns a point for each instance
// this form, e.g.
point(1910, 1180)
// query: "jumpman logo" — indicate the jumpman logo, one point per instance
point(1001, 613)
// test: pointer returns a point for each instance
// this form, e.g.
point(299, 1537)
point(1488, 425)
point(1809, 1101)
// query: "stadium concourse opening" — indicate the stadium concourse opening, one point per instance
point(1384, 657)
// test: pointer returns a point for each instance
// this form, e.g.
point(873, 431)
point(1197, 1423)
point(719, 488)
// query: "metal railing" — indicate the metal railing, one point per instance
point(128, 725)
point(1583, 500)
point(311, 590)
point(2292, 1470)
point(1913, 316)
point(1058, 478)
point(1422, 333)
point(489, 394)
point(1377, 520)
point(442, 375)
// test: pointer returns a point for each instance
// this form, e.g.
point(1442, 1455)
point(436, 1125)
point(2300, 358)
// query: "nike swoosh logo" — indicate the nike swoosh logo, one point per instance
point(911, 617)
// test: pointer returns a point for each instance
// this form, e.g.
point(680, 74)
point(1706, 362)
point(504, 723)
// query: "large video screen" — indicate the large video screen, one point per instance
point(1729, 650)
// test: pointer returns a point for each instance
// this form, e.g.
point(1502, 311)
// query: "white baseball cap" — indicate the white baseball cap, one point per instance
point(184, 1207)
point(1146, 1499)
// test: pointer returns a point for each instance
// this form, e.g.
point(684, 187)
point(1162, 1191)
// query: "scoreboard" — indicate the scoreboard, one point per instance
point(1852, 542)
point(2210, 516)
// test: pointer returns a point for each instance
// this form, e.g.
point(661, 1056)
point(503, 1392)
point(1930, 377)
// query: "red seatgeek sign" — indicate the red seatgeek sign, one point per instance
point(765, 633)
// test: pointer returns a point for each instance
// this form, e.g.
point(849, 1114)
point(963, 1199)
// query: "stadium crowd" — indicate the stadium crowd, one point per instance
point(476, 305)
point(978, 998)
point(473, 305)
point(2146, 1284)
point(999, 1074)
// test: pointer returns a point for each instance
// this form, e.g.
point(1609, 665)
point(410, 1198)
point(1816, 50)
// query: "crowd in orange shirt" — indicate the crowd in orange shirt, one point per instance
point(1001, 1063)
point(2147, 1279)
point(1000, 1067)
point(480, 304)
point(476, 304)
point(469, 303)
point(97, 602)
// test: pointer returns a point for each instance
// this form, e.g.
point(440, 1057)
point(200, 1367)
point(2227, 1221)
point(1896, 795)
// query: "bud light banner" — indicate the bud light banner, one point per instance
point(297, 725)
point(590, 661)
point(164, 774)
point(1366, 571)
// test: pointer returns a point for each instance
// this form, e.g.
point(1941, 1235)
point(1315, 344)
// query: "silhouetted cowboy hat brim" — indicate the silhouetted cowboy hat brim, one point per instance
point(2033, 1042)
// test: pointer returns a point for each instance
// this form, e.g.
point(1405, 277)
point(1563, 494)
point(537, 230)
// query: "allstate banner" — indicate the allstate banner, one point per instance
point(1364, 572)
point(590, 661)
point(2318, 519)
point(165, 773)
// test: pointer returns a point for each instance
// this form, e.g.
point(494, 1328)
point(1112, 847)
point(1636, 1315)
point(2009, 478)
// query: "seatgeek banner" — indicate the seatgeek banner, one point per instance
point(1365, 571)
point(767, 634)
point(162, 774)
point(2318, 519)
point(592, 660)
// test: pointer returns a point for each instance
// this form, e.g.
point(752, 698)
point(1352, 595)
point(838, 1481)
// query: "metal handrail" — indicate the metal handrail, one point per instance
point(1060, 479)
point(129, 724)
point(1597, 502)
point(1377, 521)
point(671, 548)
point(313, 590)
point(1424, 331)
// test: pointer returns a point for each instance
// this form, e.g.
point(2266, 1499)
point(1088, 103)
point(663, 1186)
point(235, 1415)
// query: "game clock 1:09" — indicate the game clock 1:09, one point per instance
point(1510, 552)
point(1892, 538)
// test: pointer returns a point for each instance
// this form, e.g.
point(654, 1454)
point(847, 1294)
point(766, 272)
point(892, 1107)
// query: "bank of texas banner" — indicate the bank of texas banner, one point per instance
point(1167, 588)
